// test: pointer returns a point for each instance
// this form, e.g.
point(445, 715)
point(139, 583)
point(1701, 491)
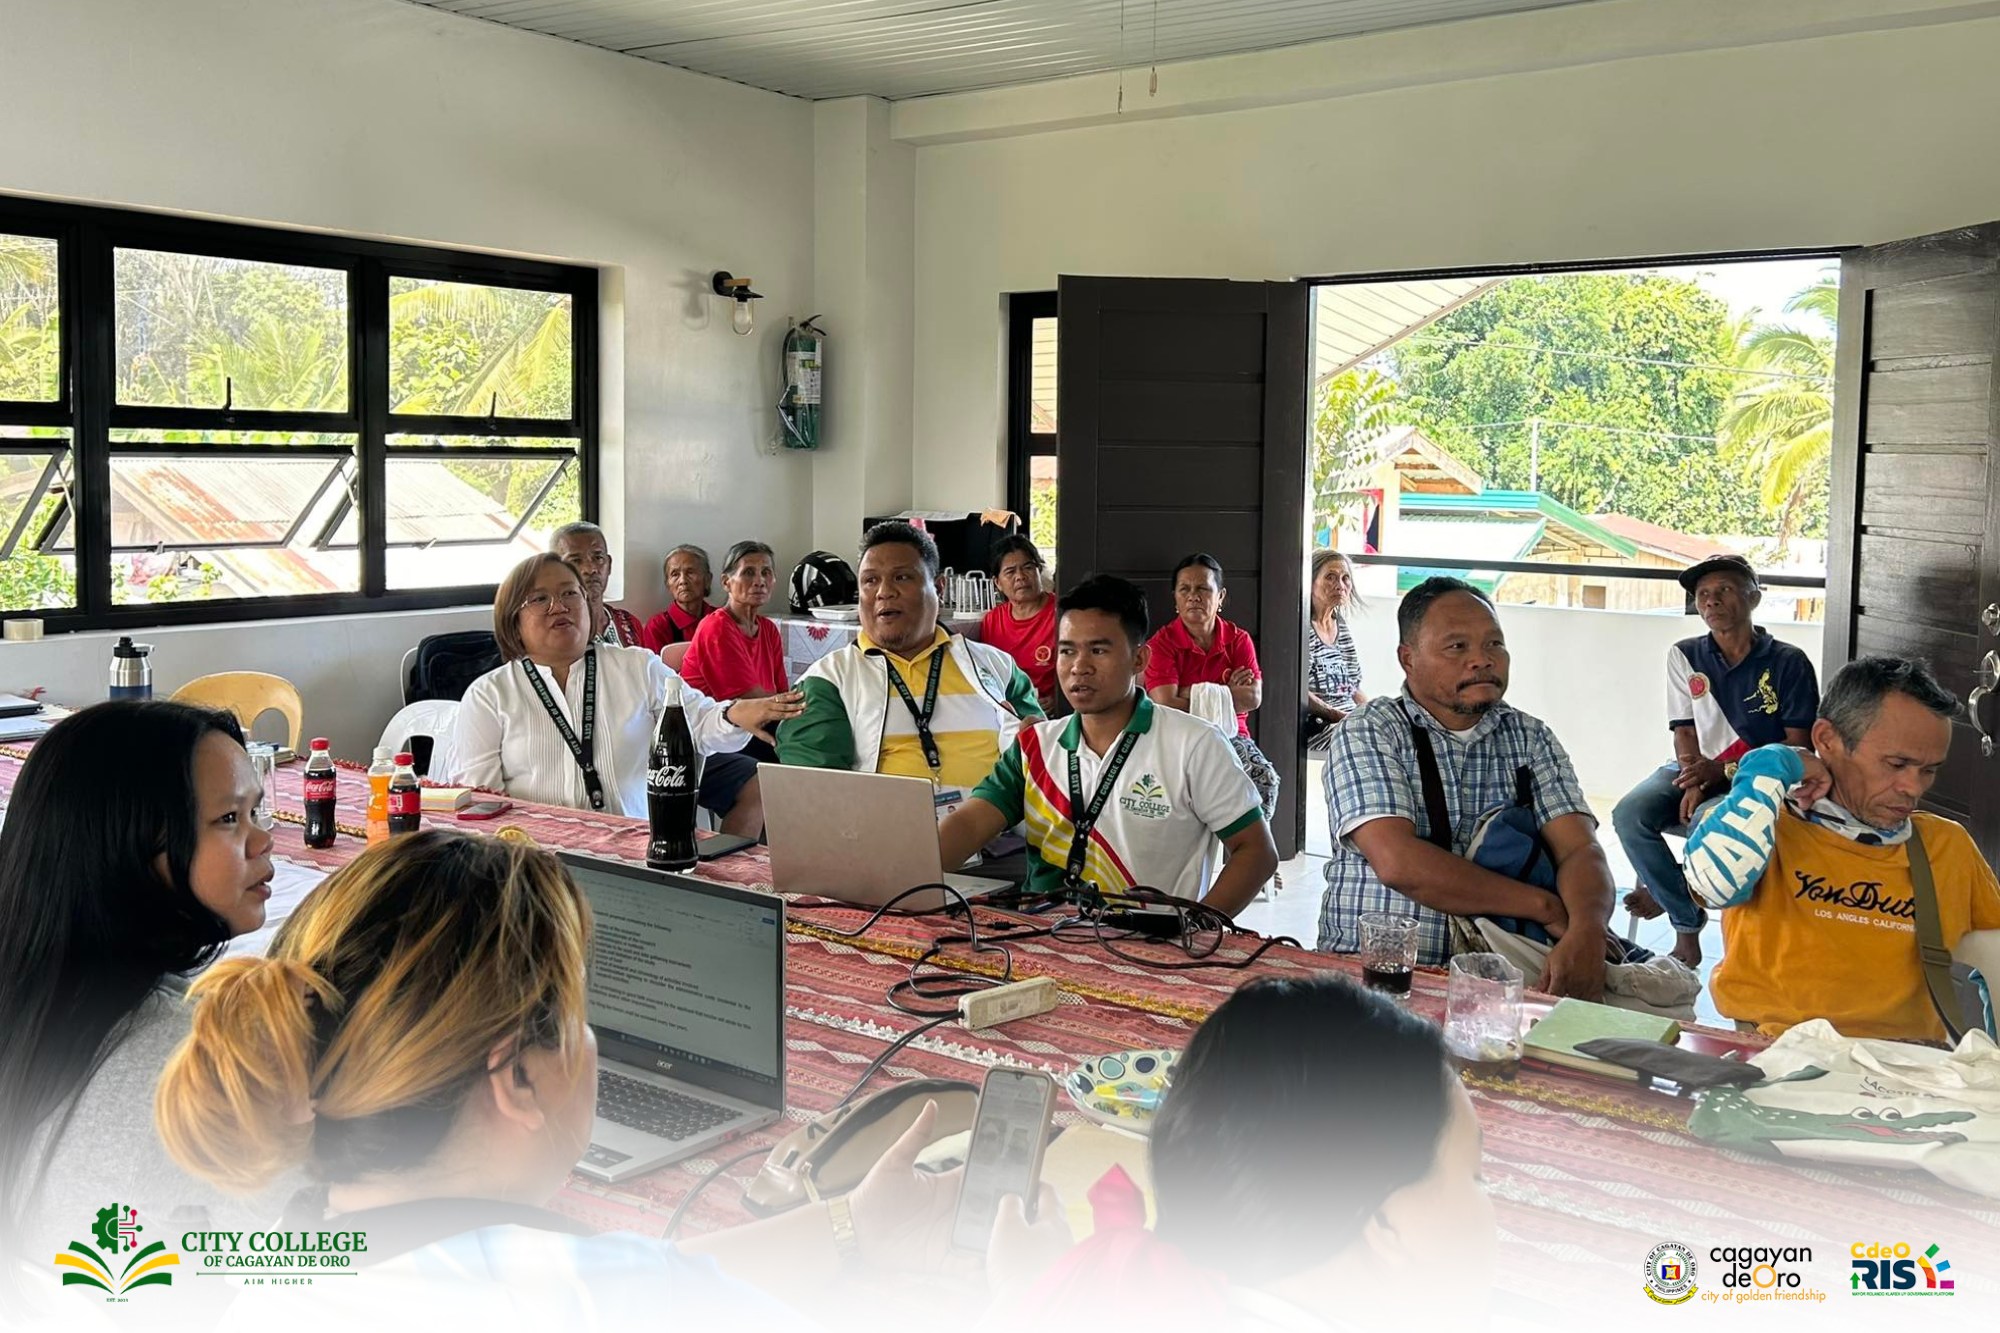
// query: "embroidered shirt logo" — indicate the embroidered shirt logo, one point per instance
point(1147, 799)
point(1697, 685)
point(1764, 699)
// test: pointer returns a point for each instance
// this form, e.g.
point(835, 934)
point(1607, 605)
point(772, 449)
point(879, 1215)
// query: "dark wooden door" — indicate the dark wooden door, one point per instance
point(1183, 410)
point(1913, 557)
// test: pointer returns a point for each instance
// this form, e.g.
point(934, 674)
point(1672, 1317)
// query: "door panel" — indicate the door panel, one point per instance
point(1914, 535)
point(1183, 410)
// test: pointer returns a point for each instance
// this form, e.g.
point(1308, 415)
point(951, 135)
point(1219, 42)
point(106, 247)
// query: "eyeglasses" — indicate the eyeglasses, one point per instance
point(545, 604)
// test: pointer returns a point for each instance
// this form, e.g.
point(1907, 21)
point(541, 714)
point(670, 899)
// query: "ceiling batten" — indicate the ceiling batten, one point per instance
point(914, 48)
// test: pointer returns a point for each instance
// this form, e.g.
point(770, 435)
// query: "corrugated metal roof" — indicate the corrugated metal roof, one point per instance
point(913, 48)
point(1353, 321)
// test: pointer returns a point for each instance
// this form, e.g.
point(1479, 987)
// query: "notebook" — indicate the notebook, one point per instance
point(1554, 1039)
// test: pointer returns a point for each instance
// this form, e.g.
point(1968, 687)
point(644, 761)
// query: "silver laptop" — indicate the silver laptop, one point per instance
point(859, 838)
point(687, 997)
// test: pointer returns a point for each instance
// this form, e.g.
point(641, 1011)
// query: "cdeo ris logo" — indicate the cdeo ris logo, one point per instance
point(116, 1231)
point(1895, 1270)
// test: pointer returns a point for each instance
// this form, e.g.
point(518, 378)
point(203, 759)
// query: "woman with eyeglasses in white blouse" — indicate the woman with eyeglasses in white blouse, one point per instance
point(528, 728)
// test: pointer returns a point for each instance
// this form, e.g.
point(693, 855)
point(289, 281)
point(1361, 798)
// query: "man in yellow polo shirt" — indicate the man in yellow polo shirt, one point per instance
point(908, 698)
point(1809, 855)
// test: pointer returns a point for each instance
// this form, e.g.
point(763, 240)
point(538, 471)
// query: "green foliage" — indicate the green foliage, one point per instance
point(1351, 413)
point(1779, 427)
point(1628, 374)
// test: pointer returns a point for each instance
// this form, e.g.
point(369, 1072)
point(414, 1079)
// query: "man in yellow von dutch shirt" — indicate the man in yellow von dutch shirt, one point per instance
point(1809, 857)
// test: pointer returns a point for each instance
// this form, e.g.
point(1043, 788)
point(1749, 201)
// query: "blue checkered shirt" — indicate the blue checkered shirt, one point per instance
point(1371, 773)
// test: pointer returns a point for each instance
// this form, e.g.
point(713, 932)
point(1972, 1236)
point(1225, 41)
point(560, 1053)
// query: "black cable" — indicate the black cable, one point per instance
point(883, 1059)
point(680, 1210)
point(1196, 920)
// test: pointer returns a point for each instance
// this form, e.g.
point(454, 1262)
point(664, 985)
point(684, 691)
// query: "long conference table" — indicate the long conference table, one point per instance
point(1586, 1175)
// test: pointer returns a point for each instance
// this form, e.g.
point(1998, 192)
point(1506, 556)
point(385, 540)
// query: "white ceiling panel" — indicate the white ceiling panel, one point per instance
point(913, 48)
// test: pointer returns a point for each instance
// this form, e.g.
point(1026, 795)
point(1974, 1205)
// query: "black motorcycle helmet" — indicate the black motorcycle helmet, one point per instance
point(823, 579)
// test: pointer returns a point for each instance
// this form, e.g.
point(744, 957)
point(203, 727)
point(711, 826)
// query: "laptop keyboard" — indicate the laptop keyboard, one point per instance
point(655, 1110)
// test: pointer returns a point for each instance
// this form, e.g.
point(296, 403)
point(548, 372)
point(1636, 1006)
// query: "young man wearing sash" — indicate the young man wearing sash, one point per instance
point(1123, 792)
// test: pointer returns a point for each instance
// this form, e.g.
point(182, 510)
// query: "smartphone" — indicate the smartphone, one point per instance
point(722, 844)
point(1008, 1136)
point(485, 809)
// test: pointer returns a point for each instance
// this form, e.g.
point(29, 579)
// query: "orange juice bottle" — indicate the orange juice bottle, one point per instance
point(379, 773)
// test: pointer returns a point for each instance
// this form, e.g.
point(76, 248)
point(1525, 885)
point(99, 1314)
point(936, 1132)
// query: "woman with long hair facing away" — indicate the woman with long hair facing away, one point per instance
point(128, 859)
point(1315, 1166)
point(1333, 668)
point(568, 721)
point(417, 1041)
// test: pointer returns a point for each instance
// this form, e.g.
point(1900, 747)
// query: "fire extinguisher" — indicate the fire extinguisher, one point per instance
point(798, 406)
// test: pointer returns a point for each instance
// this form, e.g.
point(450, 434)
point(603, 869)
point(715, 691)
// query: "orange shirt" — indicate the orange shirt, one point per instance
point(1831, 931)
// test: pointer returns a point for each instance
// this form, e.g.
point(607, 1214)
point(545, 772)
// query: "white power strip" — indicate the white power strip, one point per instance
point(1004, 1004)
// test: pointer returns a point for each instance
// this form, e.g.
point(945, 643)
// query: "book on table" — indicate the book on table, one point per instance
point(1554, 1039)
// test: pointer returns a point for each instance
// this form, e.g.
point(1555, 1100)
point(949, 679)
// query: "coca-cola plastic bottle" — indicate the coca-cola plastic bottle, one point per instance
point(406, 797)
point(670, 792)
point(321, 783)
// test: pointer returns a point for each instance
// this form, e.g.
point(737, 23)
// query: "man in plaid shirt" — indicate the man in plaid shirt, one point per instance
point(1455, 663)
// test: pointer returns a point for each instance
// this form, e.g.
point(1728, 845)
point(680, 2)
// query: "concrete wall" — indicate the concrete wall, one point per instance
point(380, 118)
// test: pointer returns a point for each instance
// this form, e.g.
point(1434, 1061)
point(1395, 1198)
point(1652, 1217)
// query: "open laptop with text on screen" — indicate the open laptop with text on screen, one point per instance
point(860, 838)
point(687, 997)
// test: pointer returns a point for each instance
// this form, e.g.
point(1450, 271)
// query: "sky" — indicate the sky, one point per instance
point(1762, 286)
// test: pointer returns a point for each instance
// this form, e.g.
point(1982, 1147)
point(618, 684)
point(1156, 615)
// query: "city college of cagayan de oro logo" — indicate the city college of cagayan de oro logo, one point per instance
point(117, 1263)
point(1670, 1273)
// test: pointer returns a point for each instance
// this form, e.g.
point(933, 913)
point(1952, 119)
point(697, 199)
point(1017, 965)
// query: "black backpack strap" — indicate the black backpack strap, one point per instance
point(1437, 812)
point(1936, 959)
point(1524, 787)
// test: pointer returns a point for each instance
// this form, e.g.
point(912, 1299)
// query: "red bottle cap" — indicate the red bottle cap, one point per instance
point(405, 757)
point(321, 743)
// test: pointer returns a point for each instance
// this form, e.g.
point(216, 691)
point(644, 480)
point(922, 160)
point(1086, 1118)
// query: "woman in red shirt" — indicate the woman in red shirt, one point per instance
point(686, 571)
point(1024, 625)
point(737, 650)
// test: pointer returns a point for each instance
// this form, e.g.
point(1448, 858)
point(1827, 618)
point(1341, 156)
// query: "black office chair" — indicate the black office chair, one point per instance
point(441, 666)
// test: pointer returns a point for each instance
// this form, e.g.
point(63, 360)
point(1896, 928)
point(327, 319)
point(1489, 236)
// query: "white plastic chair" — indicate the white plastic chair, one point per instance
point(426, 717)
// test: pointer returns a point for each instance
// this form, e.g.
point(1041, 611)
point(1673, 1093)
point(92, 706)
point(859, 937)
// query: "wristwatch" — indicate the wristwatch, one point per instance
point(846, 1244)
point(1729, 770)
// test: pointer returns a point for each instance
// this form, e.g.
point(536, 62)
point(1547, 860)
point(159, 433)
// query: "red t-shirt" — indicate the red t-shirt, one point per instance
point(1177, 662)
point(722, 664)
point(674, 625)
point(1030, 642)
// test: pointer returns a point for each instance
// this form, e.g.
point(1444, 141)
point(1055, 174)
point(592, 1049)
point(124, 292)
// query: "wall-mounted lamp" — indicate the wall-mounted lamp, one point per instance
point(737, 290)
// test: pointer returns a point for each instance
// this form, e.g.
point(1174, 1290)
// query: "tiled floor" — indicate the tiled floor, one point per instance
point(1294, 909)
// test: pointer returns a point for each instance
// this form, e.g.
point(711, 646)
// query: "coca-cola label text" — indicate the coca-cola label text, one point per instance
point(668, 778)
point(408, 801)
point(319, 788)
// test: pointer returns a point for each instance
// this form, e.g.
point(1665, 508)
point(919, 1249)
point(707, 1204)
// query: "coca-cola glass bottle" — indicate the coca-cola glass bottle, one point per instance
point(670, 791)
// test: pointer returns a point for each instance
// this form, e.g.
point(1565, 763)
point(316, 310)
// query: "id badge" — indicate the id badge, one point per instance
point(947, 799)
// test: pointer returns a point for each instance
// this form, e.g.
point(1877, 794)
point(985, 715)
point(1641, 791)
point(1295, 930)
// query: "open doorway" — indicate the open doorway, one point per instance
point(1569, 441)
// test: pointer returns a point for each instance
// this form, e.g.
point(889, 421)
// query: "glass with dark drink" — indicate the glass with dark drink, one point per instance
point(1388, 952)
point(671, 782)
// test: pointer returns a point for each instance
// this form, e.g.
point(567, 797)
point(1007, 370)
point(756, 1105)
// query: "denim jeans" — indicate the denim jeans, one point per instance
point(1645, 813)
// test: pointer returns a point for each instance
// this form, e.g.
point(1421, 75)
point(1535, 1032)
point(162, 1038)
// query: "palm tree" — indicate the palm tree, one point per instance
point(1779, 424)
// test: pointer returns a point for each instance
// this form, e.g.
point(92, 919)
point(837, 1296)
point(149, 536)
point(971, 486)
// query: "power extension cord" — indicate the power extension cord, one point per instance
point(1004, 1004)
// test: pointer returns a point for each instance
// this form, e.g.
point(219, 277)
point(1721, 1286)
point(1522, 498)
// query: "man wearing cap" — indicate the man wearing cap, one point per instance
point(1729, 691)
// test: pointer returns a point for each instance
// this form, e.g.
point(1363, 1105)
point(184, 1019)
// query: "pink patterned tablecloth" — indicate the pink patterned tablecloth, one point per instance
point(1586, 1175)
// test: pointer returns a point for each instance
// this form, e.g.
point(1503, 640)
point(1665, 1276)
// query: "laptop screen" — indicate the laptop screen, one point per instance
point(687, 978)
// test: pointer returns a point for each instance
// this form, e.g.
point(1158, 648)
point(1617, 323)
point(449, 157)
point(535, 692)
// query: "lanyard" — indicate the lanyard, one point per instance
point(1083, 819)
point(922, 716)
point(583, 751)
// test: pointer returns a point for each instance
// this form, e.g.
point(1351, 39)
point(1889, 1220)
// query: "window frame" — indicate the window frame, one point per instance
point(1023, 443)
point(87, 239)
point(1592, 568)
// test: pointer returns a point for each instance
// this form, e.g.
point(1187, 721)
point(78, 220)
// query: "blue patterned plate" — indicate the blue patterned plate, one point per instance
point(1123, 1089)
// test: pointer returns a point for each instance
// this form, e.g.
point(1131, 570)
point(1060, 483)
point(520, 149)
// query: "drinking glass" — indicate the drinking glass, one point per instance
point(1388, 951)
point(264, 762)
point(1482, 1008)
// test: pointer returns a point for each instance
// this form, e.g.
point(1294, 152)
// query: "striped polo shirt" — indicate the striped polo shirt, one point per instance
point(966, 724)
point(1180, 787)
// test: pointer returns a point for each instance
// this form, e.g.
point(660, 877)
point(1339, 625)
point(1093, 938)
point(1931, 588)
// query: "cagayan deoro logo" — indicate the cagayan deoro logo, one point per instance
point(117, 1264)
point(1670, 1271)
